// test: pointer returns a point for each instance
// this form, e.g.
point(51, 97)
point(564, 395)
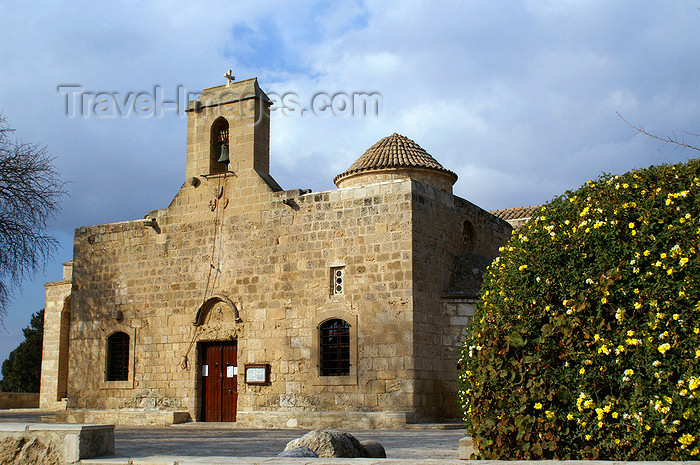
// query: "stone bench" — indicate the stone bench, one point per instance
point(54, 443)
point(11, 400)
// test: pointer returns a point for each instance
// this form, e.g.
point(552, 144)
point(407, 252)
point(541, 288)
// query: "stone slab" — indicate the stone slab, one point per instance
point(137, 417)
point(72, 442)
point(14, 427)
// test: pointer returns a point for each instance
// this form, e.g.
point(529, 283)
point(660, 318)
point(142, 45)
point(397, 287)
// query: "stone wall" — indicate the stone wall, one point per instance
point(10, 400)
point(446, 229)
point(54, 358)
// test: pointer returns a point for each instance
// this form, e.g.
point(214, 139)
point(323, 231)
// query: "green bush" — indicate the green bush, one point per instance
point(586, 339)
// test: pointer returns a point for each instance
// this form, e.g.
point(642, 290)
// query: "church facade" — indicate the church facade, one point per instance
point(246, 303)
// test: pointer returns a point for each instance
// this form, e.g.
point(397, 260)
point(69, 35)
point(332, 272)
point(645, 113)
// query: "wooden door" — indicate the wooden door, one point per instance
point(219, 381)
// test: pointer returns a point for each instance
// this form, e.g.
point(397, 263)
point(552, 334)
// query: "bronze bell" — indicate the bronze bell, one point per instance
point(224, 154)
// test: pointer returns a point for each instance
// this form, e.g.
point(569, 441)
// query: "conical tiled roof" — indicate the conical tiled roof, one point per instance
point(394, 151)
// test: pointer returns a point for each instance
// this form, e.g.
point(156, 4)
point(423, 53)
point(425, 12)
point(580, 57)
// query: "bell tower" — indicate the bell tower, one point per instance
point(228, 130)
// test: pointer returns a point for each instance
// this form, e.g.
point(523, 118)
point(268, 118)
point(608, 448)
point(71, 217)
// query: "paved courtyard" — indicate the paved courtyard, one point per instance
point(221, 439)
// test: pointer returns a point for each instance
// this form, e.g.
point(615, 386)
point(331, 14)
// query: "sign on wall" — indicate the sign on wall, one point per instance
point(257, 373)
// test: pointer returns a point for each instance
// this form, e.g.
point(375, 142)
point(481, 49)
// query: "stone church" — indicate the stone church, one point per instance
point(244, 302)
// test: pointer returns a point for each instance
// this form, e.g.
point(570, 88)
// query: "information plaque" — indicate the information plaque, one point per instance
point(257, 373)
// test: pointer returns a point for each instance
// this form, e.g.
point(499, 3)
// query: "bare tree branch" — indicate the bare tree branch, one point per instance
point(30, 194)
point(673, 140)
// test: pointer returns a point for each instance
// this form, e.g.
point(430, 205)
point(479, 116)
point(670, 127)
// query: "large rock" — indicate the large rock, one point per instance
point(374, 450)
point(301, 451)
point(335, 444)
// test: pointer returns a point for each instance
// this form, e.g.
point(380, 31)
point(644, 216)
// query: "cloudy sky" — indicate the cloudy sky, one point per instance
point(518, 97)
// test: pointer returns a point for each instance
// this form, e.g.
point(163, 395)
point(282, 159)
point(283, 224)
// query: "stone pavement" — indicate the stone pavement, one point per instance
point(218, 443)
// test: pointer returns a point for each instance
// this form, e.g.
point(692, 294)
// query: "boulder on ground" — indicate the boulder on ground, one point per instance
point(336, 444)
point(301, 451)
point(373, 449)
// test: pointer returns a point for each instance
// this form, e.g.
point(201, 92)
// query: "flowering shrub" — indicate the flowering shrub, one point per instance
point(586, 339)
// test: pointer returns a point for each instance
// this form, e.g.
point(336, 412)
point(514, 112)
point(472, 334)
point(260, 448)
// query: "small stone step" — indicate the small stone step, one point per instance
point(455, 425)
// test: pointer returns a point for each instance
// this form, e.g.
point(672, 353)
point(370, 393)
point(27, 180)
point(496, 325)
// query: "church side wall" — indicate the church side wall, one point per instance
point(52, 370)
point(272, 260)
point(444, 227)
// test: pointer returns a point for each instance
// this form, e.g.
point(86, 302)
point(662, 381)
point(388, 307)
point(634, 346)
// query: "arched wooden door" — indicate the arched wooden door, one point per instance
point(219, 381)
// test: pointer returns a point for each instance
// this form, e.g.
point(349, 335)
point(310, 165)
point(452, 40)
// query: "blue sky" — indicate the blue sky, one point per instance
point(518, 97)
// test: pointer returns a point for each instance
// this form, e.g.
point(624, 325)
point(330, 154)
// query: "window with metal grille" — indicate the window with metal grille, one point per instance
point(118, 357)
point(335, 348)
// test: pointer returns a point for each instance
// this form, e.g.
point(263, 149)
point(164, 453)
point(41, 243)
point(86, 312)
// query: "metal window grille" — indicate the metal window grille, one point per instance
point(118, 357)
point(335, 348)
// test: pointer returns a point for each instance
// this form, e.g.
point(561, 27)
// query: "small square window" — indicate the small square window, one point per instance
point(337, 280)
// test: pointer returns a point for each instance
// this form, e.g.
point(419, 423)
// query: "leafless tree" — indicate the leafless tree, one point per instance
point(30, 194)
point(677, 142)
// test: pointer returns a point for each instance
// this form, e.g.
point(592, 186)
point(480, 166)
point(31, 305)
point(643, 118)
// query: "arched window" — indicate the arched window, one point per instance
point(118, 357)
point(219, 154)
point(335, 348)
point(468, 235)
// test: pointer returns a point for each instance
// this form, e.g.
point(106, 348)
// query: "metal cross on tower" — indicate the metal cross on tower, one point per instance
point(230, 77)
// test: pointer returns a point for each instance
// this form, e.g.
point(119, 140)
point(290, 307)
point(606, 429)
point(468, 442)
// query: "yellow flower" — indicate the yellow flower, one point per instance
point(647, 253)
point(538, 406)
point(582, 370)
point(615, 414)
point(694, 383)
point(600, 424)
point(570, 417)
point(522, 267)
point(617, 441)
point(631, 225)
point(549, 414)
point(604, 300)
point(588, 437)
point(687, 439)
point(663, 348)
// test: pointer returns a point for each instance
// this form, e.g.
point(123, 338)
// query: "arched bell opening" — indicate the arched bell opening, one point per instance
point(219, 146)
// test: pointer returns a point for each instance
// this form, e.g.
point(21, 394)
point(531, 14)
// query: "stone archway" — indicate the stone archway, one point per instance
point(217, 303)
